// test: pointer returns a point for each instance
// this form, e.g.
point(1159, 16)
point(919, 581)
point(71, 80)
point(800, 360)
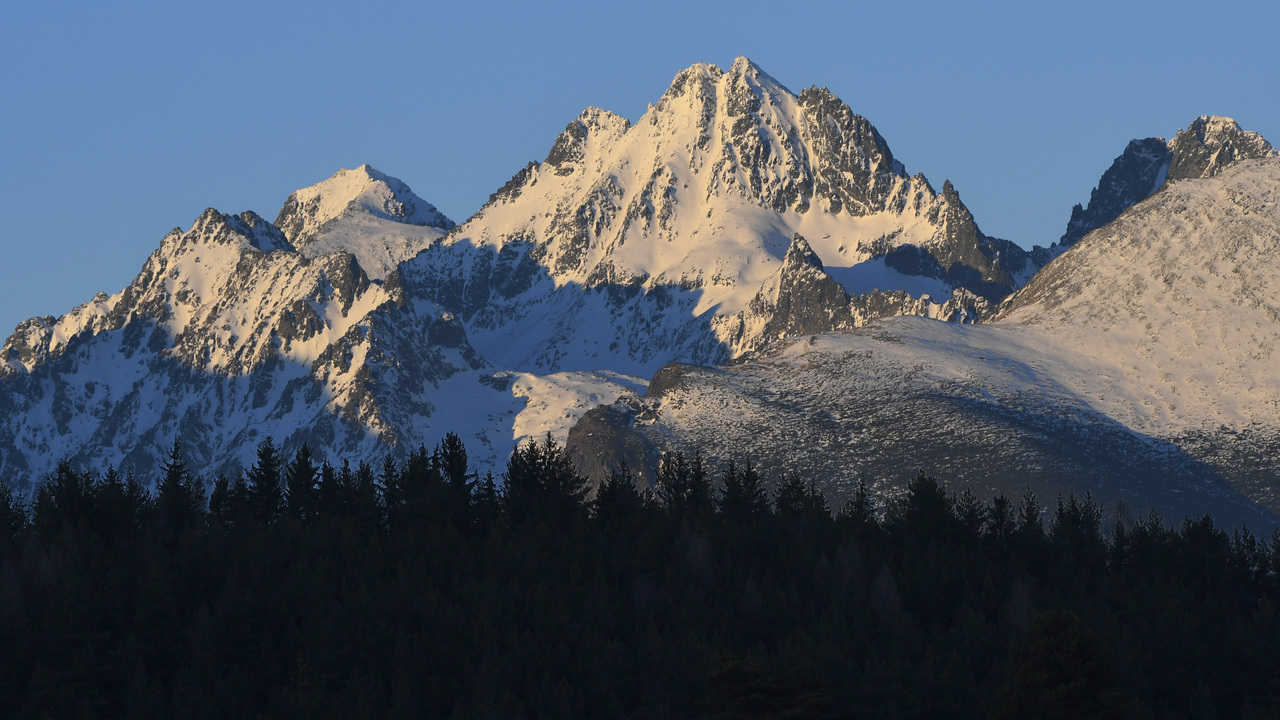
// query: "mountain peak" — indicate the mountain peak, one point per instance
point(592, 127)
point(1210, 143)
point(799, 253)
point(1139, 171)
point(752, 75)
point(1206, 147)
point(246, 230)
point(362, 190)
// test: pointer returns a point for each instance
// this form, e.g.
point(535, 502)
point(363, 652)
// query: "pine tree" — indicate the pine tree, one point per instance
point(859, 511)
point(790, 497)
point(971, 513)
point(264, 484)
point(451, 465)
point(1075, 532)
point(617, 500)
point(1001, 523)
point(541, 482)
point(118, 506)
point(65, 500)
point(684, 487)
point(1029, 529)
point(365, 502)
point(744, 496)
point(798, 500)
point(300, 484)
point(179, 501)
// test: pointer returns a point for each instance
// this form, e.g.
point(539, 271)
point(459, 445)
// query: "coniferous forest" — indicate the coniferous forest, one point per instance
point(417, 589)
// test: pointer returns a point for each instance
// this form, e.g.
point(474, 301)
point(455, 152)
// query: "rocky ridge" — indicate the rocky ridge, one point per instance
point(734, 222)
point(676, 223)
point(1209, 144)
point(1138, 366)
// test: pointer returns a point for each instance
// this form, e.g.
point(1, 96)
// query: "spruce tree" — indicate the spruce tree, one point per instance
point(392, 491)
point(65, 500)
point(300, 484)
point(179, 501)
point(617, 500)
point(684, 487)
point(222, 510)
point(744, 495)
point(1001, 522)
point(329, 492)
point(451, 457)
point(859, 511)
point(791, 497)
point(487, 501)
point(265, 485)
point(541, 482)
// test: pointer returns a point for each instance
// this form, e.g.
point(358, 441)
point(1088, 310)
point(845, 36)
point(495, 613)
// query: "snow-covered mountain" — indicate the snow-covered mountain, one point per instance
point(234, 331)
point(633, 245)
point(1202, 150)
point(1140, 365)
point(364, 213)
point(734, 221)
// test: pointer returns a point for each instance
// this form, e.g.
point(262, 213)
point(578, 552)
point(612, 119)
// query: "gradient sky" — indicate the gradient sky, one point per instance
point(123, 120)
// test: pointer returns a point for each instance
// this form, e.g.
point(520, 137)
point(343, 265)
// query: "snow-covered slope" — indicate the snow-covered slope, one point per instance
point(235, 330)
point(230, 334)
point(1204, 148)
point(732, 218)
point(635, 244)
point(1172, 312)
point(1140, 365)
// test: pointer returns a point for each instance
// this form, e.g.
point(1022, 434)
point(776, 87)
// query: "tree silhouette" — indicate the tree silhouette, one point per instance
point(541, 483)
point(264, 484)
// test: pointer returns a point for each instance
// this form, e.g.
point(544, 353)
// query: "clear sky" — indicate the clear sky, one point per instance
point(120, 121)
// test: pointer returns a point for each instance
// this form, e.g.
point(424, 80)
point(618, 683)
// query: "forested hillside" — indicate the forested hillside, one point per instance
point(305, 589)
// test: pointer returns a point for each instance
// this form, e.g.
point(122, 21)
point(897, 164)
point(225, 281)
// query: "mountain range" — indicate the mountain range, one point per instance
point(742, 268)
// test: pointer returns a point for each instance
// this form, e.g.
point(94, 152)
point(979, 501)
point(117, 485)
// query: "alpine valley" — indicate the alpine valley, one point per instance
point(743, 270)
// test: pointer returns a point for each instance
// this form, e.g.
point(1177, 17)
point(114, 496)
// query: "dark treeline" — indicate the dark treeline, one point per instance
point(418, 589)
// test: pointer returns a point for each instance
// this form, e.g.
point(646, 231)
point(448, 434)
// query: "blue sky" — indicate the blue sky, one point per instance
point(121, 121)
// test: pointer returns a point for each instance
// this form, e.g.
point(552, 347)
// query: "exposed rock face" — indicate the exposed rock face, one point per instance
point(1204, 149)
point(680, 224)
point(1139, 171)
point(1212, 143)
point(806, 300)
point(227, 335)
point(1139, 366)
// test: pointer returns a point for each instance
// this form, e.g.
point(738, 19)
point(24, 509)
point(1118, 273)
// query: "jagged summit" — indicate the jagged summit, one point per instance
point(1142, 361)
point(582, 137)
point(372, 216)
point(685, 216)
point(1207, 146)
point(799, 253)
point(1139, 171)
